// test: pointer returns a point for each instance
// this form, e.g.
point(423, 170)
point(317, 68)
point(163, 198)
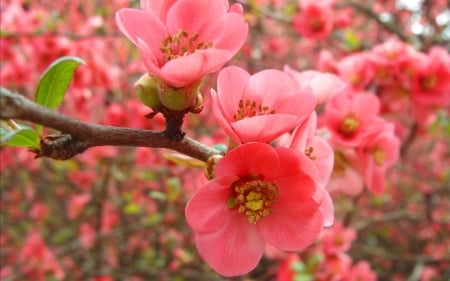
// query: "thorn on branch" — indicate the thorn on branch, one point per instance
point(60, 147)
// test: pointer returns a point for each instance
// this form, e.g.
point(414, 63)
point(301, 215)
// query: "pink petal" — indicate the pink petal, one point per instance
point(300, 104)
point(293, 225)
point(150, 60)
point(207, 210)
point(189, 69)
point(350, 182)
point(261, 128)
point(324, 159)
point(220, 116)
point(194, 15)
point(366, 106)
point(296, 170)
point(326, 207)
point(326, 85)
point(266, 87)
point(138, 24)
point(237, 8)
point(304, 132)
point(233, 34)
point(231, 83)
point(249, 158)
point(233, 250)
point(159, 8)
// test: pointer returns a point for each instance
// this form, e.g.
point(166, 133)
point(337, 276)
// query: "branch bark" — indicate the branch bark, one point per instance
point(86, 135)
point(367, 10)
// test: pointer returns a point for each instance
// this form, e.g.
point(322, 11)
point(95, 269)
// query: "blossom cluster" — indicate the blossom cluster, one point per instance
point(270, 187)
point(326, 260)
point(301, 144)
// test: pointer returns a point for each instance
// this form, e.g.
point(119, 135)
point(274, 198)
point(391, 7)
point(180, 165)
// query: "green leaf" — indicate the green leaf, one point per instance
point(24, 137)
point(55, 81)
point(351, 40)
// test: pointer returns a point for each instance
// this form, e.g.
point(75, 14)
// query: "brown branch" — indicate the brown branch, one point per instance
point(84, 135)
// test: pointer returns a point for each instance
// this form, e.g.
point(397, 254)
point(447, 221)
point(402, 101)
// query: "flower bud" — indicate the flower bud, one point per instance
point(178, 98)
point(146, 88)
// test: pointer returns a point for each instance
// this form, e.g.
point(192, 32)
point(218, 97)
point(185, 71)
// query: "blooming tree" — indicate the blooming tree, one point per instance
point(201, 140)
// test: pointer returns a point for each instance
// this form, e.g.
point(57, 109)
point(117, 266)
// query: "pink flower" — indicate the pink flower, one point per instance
point(345, 177)
point(76, 204)
point(360, 271)
point(260, 195)
point(304, 140)
point(377, 152)
point(323, 85)
point(431, 83)
point(337, 239)
point(356, 70)
point(315, 20)
point(286, 271)
point(181, 41)
point(260, 107)
point(386, 59)
point(350, 117)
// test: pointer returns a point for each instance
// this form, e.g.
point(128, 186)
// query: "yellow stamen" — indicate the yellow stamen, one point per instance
point(182, 44)
point(253, 196)
point(349, 125)
point(250, 108)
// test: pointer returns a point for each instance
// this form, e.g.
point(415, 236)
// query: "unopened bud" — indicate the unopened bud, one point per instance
point(146, 89)
point(178, 98)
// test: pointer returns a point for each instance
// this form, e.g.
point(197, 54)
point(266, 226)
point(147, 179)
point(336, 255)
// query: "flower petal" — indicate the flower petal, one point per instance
point(326, 207)
point(323, 158)
point(159, 8)
point(138, 24)
point(297, 171)
point(194, 16)
point(268, 85)
point(219, 114)
point(249, 158)
point(262, 129)
point(229, 38)
point(207, 210)
point(366, 106)
point(231, 83)
point(293, 225)
point(185, 70)
point(233, 250)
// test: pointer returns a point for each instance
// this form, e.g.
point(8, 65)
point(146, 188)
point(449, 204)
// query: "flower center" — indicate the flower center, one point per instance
point(349, 125)
point(250, 108)
point(340, 163)
point(378, 156)
point(315, 24)
point(253, 196)
point(181, 44)
point(428, 82)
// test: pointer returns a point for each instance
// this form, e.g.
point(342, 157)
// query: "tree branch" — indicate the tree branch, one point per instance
point(367, 10)
point(84, 135)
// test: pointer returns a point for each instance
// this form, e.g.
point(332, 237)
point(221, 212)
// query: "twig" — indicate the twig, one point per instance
point(371, 14)
point(86, 135)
